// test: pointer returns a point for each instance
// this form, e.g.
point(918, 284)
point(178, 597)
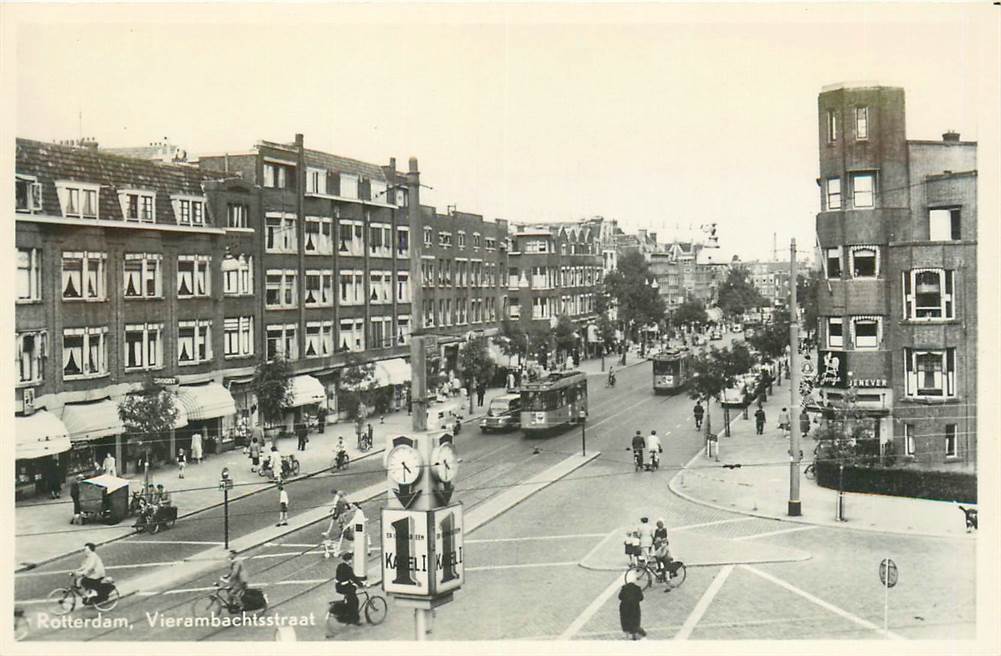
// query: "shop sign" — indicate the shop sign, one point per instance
point(165, 381)
point(832, 369)
point(868, 382)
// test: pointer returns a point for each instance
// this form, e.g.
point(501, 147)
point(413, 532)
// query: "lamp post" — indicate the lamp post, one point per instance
point(225, 484)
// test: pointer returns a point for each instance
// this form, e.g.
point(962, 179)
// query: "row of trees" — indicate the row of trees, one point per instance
point(716, 370)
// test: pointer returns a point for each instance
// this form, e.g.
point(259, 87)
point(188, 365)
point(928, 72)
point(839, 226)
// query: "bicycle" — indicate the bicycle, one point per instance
point(646, 573)
point(217, 600)
point(64, 600)
point(374, 609)
point(810, 472)
point(364, 442)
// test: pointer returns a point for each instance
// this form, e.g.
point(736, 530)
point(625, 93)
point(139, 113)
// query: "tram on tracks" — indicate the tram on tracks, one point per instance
point(557, 400)
point(672, 370)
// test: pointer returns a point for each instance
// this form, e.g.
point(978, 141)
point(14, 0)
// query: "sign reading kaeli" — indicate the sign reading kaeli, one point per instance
point(422, 551)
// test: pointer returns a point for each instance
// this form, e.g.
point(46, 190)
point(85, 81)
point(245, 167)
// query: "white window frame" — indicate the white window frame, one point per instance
point(936, 216)
point(349, 186)
point(378, 191)
point(323, 236)
point(861, 123)
point(288, 341)
point(32, 361)
point(86, 258)
point(402, 286)
point(855, 320)
point(189, 209)
point(833, 195)
point(490, 244)
point(947, 295)
point(201, 272)
point(345, 335)
point(280, 233)
point(287, 288)
point(852, 250)
point(239, 214)
point(831, 321)
point(428, 236)
point(384, 233)
point(946, 376)
point(460, 239)
point(238, 337)
point(832, 126)
point(403, 329)
point(277, 174)
point(151, 346)
point(72, 195)
point(140, 195)
point(909, 449)
point(150, 268)
point(238, 276)
point(88, 334)
point(827, 265)
point(319, 336)
point(402, 236)
point(356, 245)
point(477, 240)
point(856, 194)
point(32, 194)
point(326, 279)
point(951, 442)
point(444, 239)
point(316, 180)
point(28, 286)
point(201, 340)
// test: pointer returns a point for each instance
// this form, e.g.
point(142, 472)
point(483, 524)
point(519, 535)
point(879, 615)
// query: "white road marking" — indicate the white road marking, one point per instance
point(183, 542)
point(483, 568)
point(184, 590)
point(592, 608)
point(780, 532)
point(288, 544)
point(703, 605)
point(537, 537)
point(823, 604)
point(166, 563)
point(715, 523)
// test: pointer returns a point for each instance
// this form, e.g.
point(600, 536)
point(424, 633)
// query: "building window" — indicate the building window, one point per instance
point(490, 244)
point(428, 237)
point(30, 351)
point(863, 190)
point(280, 289)
point(281, 340)
point(402, 286)
point(29, 275)
point(930, 373)
point(84, 276)
point(194, 276)
point(85, 352)
point(861, 123)
point(444, 239)
point(144, 346)
point(351, 238)
point(833, 258)
point(319, 289)
point(380, 242)
point(834, 193)
point(951, 444)
point(536, 246)
point(402, 241)
point(319, 339)
point(944, 224)
point(318, 235)
point(194, 342)
point(316, 181)
point(238, 337)
point(143, 275)
point(909, 449)
point(928, 294)
point(280, 234)
point(189, 210)
point(832, 126)
point(238, 275)
point(278, 176)
point(460, 239)
point(78, 200)
point(138, 205)
point(349, 186)
point(835, 333)
point(377, 191)
point(865, 261)
point(237, 215)
point(476, 240)
point(27, 194)
point(866, 333)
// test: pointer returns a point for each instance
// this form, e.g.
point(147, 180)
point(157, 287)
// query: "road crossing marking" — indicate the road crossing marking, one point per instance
point(823, 604)
point(183, 542)
point(703, 605)
point(483, 568)
point(133, 566)
point(715, 523)
point(537, 537)
point(780, 532)
point(589, 612)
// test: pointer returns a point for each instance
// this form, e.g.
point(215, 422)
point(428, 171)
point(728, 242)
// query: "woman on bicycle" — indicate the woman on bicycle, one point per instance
point(347, 584)
point(235, 580)
point(91, 571)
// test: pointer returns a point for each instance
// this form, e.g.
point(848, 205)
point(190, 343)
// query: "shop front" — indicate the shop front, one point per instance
point(207, 407)
point(245, 399)
point(95, 431)
point(308, 397)
point(41, 453)
point(394, 374)
point(154, 448)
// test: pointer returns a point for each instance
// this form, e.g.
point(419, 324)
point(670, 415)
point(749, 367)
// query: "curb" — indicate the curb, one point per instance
point(31, 566)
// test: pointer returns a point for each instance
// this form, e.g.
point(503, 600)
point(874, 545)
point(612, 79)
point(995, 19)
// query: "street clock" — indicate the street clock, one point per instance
point(405, 467)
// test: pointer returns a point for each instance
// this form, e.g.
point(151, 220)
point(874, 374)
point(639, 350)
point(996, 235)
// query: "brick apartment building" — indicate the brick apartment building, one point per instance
point(898, 235)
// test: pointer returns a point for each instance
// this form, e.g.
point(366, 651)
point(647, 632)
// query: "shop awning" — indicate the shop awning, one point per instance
point(498, 356)
point(40, 434)
point(206, 401)
point(182, 415)
point(392, 372)
point(306, 390)
point(714, 314)
point(89, 421)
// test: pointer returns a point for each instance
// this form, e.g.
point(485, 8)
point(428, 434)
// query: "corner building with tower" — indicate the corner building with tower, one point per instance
point(897, 233)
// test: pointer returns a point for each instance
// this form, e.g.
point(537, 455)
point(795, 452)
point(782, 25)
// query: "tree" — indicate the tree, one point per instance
point(273, 387)
point(629, 285)
point(357, 385)
point(715, 371)
point(772, 339)
point(565, 335)
point(847, 435)
point(513, 339)
point(606, 332)
point(807, 289)
point(690, 312)
point(475, 365)
point(736, 295)
point(148, 415)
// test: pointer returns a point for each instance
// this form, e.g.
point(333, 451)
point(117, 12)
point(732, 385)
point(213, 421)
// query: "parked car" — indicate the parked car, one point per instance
point(503, 413)
point(716, 335)
point(737, 328)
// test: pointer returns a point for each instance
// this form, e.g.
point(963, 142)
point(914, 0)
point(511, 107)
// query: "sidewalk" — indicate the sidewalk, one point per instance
point(760, 487)
point(42, 526)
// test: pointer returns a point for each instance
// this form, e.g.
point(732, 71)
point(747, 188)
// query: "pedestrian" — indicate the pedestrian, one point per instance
point(321, 420)
point(275, 460)
point(371, 436)
point(698, 412)
point(568, 363)
point(255, 454)
point(75, 494)
point(410, 402)
point(784, 420)
point(109, 466)
point(162, 498)
point(630, 614)
point(645, 533)
point(481, 391)
point(54, 478)
point(196, 448)
point(660, 533)
point(759, 420)
point(182, 461)
point(301, 434)
point(804, 423)
point(632, 544)
point(282, 506)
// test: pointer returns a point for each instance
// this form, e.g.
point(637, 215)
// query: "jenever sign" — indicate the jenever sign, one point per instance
point(422, 551)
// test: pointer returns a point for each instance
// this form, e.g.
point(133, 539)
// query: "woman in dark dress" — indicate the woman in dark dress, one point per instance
point(630, 618)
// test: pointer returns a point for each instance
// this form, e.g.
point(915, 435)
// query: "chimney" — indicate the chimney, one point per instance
point(298, 139)
point(392, 164)
point(950, 136)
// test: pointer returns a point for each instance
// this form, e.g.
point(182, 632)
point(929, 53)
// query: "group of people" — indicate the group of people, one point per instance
point(642, 544)
point(649, 444)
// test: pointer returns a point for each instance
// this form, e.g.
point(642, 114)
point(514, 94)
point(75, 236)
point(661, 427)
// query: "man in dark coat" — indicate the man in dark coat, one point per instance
point(630, 615)
point(301, 432)
point(75, 493)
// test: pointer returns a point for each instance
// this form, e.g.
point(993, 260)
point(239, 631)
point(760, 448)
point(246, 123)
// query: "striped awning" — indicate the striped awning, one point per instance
point(392, 372)
point(90, 421)
point(207, 401)
point(40, 434)
point(306, 390)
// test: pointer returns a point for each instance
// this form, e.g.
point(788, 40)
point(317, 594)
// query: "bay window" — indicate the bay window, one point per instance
point(84, 276)
point(194, 342)
point(833, 259)
point(238, 337)
point(928, 294)
point(863, 190)
point(144, 346)
point(867, 332)
point(930, 373)
point(864, 261)
point(85, 352)
point(832, 126)
point(143, 275)
point(861, 123)
point(834, 193)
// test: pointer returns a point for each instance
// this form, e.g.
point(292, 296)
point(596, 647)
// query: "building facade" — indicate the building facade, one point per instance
point(898, 315)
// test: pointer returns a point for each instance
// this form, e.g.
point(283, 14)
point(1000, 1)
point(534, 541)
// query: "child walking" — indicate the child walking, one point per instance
point(283, 506)
point(182, 461)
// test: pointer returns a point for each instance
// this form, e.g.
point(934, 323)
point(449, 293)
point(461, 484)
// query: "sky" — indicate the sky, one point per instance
point(663, 117)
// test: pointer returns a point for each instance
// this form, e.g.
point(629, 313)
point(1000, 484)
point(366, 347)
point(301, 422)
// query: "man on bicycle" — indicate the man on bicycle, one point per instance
point(347, 584)
point(91, 572)
point(611, 376)
point(338, 517)
point(654, 447)
point(235, 579)
point(638, 444)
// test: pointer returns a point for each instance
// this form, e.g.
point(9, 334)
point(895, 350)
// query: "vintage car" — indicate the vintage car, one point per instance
point(502, 414)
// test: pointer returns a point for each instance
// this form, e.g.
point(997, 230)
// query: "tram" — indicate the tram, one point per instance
point(556, 400)
point(671, 370)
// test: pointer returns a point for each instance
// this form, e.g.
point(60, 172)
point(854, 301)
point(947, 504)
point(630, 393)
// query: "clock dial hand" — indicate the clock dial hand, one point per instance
point(406, 470)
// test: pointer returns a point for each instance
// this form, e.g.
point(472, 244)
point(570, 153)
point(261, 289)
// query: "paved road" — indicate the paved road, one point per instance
point(523, 573)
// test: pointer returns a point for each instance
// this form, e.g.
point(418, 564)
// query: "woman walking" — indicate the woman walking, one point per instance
point(630, 615)
point(255, 455)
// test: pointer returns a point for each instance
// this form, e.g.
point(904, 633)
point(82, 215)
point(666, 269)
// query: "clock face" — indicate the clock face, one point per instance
point(445, 463)
point(404, 465)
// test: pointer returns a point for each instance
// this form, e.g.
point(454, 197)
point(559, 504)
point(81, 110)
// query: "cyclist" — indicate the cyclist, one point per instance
point(338, 518)
point(341, 454)
point(611, 376)
point(698, 412)
point(662, 555)
point(654, 447)
point(91, 572)
point(235, 580)
point(347, 584)
point(638, 444)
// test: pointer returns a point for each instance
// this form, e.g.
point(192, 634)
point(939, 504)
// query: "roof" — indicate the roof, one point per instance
point(51, 162)
point(334, 162)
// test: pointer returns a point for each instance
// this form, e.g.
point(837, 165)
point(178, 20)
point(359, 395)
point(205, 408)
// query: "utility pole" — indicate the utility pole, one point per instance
point(795, 507)
point(418, 341)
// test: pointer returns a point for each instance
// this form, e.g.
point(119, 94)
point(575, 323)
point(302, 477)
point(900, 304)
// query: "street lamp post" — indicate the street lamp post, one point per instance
point(225, 483)
point(583, 433)
point(795, 505)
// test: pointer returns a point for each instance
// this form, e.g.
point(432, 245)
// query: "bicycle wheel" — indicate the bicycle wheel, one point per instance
point(643, 575)
point(375, 610)
point(210, 606)
point(61, 601)
point(810, 472)
point(680, 574)
point(109, 602)
point(21, 628)
point(295, 468)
